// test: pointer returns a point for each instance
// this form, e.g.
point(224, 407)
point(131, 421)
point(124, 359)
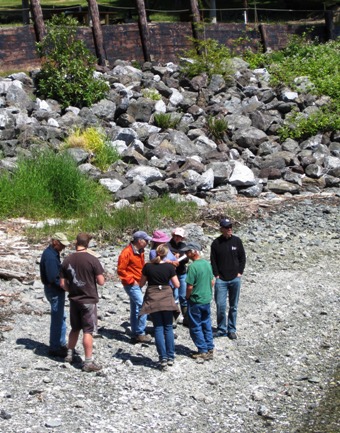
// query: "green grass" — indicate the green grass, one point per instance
point(110, 225)
point(49, 185)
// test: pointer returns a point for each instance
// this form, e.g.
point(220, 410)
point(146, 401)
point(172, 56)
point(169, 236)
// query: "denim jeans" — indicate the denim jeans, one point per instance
point(56, 298)
point(182, 290)
point(223, 290)
point(164, 334)
point(138, 323)
point(200, 326)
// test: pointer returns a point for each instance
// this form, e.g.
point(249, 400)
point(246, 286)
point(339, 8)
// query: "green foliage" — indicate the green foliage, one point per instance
point(151, 94)
point(166, 120)
point(49, 185)
point(95, 141)
point(217, 127)
point(207, 56)
point(299, 126)
point(67, 66)
point(109, 225)
point(303, 57)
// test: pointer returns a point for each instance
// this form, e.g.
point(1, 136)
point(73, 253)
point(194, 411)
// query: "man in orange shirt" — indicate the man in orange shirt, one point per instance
point(130, 265)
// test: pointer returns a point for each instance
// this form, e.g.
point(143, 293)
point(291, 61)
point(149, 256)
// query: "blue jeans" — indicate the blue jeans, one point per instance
point(56, 298)
point(223, 290)
point(164, 334)
point(200, 326)
point(137, 322)
point(182, 290)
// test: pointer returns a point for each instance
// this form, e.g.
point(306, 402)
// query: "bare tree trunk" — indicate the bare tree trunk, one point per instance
point(195, 18)
point(97, 31)
point(213, 11)
point(245, 5)
point(38, 19)
point(144, 29)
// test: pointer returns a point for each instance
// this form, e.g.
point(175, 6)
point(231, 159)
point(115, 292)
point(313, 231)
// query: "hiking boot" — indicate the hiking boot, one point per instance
point(171, 362)
point(163, 364)
point(199, 355)
point(232, 336)
point(142, 339)
point(210, 354)
point(219, 334)
point(58, 353)
point(92, 366)
point(69, 359)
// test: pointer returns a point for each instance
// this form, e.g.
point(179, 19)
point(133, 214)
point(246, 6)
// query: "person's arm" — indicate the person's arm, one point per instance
point(189, 291)
point(241, 258)
point(213, 260)
point(64, 284)
point(100, 279)
point(175, 281)
point(142, 281)
point(123, 262)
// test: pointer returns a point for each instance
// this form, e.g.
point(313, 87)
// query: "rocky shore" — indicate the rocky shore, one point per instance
point(274, 378)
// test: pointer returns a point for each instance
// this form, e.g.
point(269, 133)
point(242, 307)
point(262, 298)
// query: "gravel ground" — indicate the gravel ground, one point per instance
point(274, 378)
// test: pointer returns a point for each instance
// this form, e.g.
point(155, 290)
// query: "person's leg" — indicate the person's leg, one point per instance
point(234, 287)
point(221, 292)
point(168, 334)
point(138, 323)
point(157, 320)
point(89, 325)
point(182, 291)
point(196, 333)
point(56, 298)
point(88, 345)
point(206, 326)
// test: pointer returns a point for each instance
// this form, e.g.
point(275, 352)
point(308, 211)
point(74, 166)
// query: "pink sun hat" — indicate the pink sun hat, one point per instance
point(160, 237)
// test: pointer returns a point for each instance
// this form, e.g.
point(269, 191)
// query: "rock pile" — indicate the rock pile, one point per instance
point(249, 160)
point(274, 378)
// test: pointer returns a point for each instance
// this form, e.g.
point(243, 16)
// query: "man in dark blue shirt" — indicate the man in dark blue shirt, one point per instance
point(228, 260)
point(49, 273)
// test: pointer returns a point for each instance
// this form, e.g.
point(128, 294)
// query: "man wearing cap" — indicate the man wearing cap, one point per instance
point(200, 281)
point(228, 260)
point(49, 273)
point(130, 264)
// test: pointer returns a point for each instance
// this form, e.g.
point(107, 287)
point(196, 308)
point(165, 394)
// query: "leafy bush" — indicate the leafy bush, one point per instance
point(49, 185)
point(67, 72)
point(95, 141)
point(166, 120)
point(207, 56)
point(297, 125)
point(217, 127)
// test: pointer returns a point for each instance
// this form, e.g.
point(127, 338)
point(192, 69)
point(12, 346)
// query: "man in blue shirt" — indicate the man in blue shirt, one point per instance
point(49, 273)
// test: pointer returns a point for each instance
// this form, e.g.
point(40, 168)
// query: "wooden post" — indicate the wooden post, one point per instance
point(196, 19)
point(144, 29)
point(25, 12)
point(38, 20)
point(329, 23)
point(97, 31)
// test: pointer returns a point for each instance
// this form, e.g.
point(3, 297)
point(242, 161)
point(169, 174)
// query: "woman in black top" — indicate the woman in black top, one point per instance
point(159, 303)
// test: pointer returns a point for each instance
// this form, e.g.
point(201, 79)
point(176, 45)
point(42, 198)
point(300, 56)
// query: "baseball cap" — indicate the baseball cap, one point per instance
point(141, 235)
point(225, 223)
point(179, 232)
point(61, 238)
point(191, 246)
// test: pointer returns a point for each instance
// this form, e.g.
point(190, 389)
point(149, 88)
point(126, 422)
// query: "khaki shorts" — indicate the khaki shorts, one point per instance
point(83, 317)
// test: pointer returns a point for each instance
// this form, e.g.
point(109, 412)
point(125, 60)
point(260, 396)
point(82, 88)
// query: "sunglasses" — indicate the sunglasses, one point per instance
point(229, 227)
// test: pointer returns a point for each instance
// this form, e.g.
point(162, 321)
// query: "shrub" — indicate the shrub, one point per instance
point(151, 94)
point(217, 127)
point(95, 141)
point(207, 56)
point(49, 185)
point(166, 120)
point(67, 72)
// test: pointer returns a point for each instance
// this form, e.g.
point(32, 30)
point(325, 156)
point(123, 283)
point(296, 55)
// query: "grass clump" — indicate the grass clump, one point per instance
point(49, 185)
point(94, 141)
point(217, 127)
point(152, 94)
point(110, 225)
point(166, 120)
point(207, 56)
point(67, 72)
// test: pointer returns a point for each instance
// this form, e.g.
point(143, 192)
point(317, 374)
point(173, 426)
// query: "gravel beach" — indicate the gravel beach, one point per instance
point(273, 378)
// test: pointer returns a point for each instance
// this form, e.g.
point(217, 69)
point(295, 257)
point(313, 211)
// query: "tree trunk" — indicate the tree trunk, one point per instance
point(195, 18)
point(144, 29)
point(97, 31)
point(38, 19)
point(25, 12)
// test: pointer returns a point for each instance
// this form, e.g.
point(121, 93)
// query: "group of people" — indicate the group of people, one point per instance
point(174, 289)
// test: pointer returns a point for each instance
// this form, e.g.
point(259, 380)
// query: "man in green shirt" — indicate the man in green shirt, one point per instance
point(200, 281)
